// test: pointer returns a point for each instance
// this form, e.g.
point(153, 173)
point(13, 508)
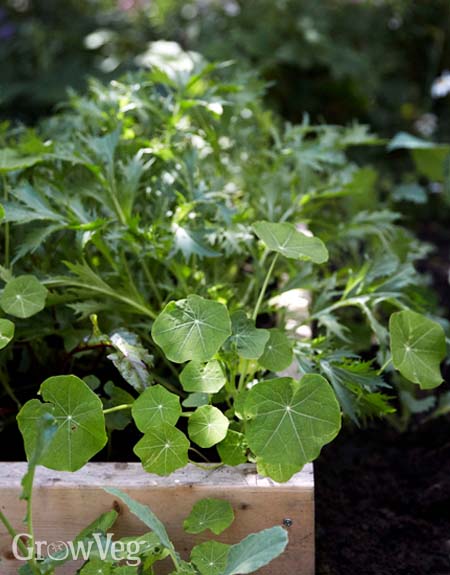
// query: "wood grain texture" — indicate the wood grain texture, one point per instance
point(64, 503)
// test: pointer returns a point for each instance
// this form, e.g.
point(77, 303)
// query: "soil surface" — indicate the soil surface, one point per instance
point(383, 502)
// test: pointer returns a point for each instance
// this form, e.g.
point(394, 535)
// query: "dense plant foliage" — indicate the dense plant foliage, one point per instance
point(168, 225)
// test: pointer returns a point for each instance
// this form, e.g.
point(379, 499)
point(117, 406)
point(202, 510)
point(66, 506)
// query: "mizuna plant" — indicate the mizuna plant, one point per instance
point(176, 213)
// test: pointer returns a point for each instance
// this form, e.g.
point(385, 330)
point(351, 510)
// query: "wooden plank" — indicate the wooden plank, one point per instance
point(64, 503)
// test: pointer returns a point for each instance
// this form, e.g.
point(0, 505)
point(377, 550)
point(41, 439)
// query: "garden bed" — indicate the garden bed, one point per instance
point(66, 502)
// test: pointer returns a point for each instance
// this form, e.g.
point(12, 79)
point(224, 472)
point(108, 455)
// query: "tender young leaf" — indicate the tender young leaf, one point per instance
point(155, 407)
point(145, 514)
point(191, 328)
point(213, 514)
point(203, 377)
point(278, 353)
point(81, 423)
point(255, 551)
point(23, 296)
point(285, 239)
point(418, 347)
point(163, 449)
point(232, 450)
point(210, 557)
point(249, 340)
point(131, 359)
point(207, 426)
point(6, 332)
point(290, 421)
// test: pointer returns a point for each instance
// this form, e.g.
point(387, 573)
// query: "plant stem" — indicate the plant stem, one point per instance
point(264, 287)
point(259, 301)
point(10, 529)
point(117, 408)
point(152, 283)
point(30, 529)
point(7, 236)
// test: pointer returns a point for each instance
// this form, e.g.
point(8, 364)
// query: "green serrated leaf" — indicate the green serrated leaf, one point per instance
point(79, 416)
point(285, 239)
point(248, 339)
point(289, 421)
point(203, 377)
point(7, 329)
point(163, 449)
point(207, 426)
point(210, 557)
point(213, 514)
point(255, 551)
point(418, 347)
point(155, 407)
point(232, 450)
point(278, 353)
point(191, 328)
point(23, 296)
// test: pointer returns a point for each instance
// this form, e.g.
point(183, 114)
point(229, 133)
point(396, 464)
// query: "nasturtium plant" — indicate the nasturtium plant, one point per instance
point(287, 240)
point(23, 296)
point(144, 252)
point(418, 348)
point(192, 328)
point(6, 332)
point(207, 426)
point(213, 514)
point(80, 423)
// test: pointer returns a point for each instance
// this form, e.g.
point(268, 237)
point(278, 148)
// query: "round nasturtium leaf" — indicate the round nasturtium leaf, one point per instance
point(210, 557)
point(289, 421)
point(285, 239)
point(213, 514)
point(418, 347)
point(23, 296)
point(248, 339)
point(278, 353)
point(207, 426)
point(6, 332)
point(191, 328)
point(203, 377)
point(232, 450)
point(79, 416)
point(163, 449)
point(154, 407)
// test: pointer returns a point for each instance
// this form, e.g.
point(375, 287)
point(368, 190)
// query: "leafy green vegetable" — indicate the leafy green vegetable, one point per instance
point(210, 557)
point(155, 407)
point(255, 551)
point(278, 353)
point(80, 421)
point(249, 341)
point(163, 449)
point(23, 296)
point(418, 347)
point(233, 449)
point(192, 328)
point(289, 422)
point(213, 514)
point(203, 377)
point(6, 332)
point(287, 240)
point(207, 426)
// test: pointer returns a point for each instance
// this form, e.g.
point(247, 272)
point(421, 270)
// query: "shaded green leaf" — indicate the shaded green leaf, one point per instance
point(23, 296)
point(213, 514)
point(155, 407)
point(7, 329)
point(278, 353)
point(248, 339)
point(210, 557)
point(207, 426)
point(418, 347)
point(233, 449)
point(163, 449)
point(203, 377)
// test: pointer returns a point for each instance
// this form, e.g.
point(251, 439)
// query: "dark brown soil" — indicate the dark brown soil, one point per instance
point(383, 502)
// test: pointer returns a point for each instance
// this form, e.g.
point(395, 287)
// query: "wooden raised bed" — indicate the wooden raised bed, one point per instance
point(64, 503)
